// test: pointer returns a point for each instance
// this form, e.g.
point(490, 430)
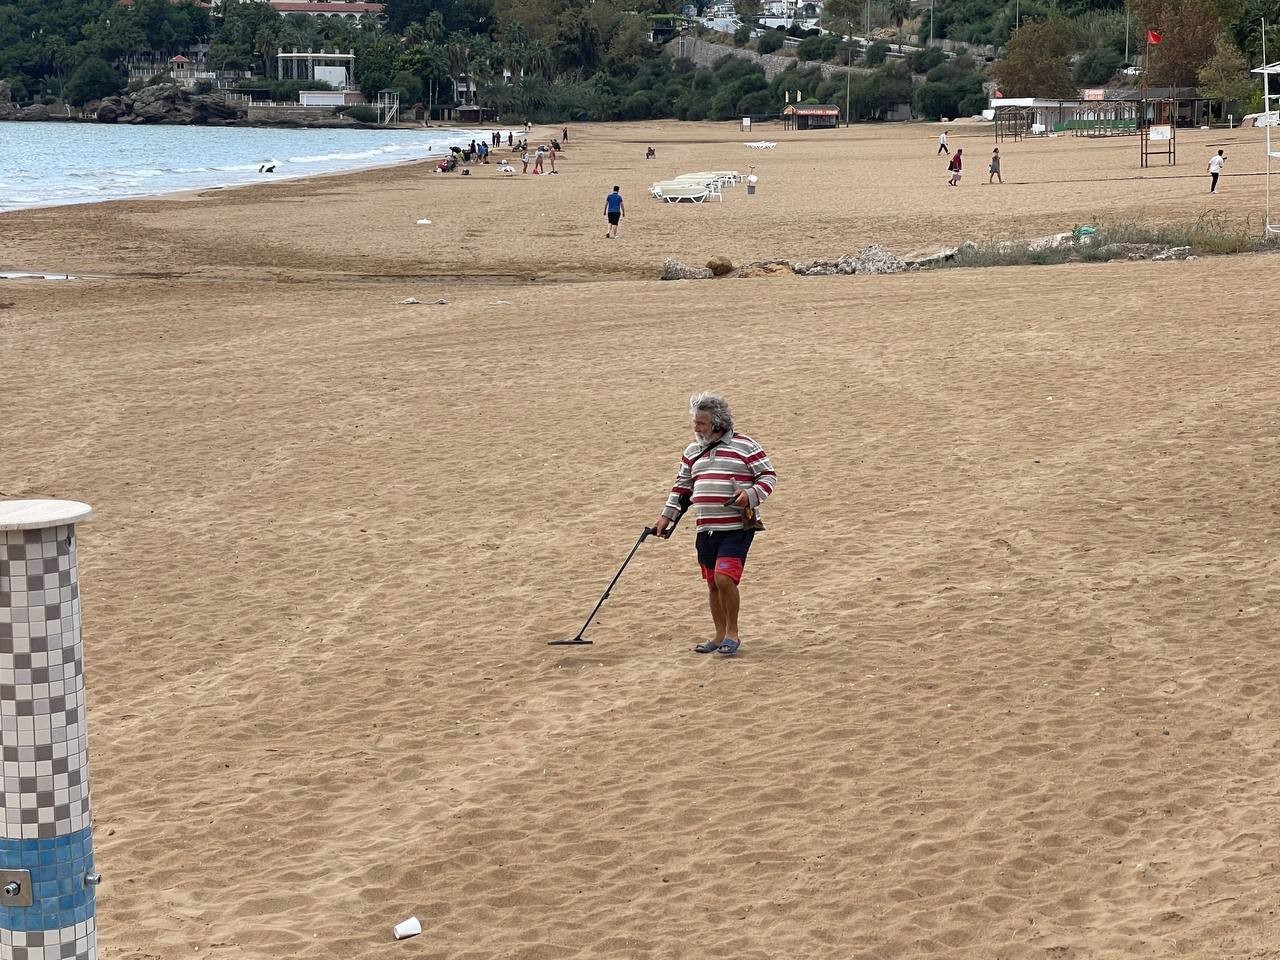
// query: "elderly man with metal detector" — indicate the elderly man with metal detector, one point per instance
point(724, 476)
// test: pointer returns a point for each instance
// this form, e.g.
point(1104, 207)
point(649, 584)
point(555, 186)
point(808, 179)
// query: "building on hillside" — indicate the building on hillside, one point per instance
point(187, 68)
point(341, 9)
point(334, 68)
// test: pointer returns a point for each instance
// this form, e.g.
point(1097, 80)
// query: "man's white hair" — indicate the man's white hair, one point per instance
point(716, 407)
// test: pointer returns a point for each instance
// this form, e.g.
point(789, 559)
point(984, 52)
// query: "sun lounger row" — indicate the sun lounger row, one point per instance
point(694, 187)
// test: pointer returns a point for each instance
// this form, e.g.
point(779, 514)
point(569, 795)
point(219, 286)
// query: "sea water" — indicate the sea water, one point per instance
point(45, 164)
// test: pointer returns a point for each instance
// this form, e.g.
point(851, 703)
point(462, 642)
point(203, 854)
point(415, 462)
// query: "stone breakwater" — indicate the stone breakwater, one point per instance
point(876, 259)
point(872, 259)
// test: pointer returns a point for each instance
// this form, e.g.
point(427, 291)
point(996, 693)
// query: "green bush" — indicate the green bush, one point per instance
point(18, 90)
point(281, 91)
point(742, 36)
point(761, 103)
point(770, 41)
point(927, 59)
point(1096, 66)
point(876, 53)
point(817, 48)
point(202, 88)
point(93, 80)
point(361, 113)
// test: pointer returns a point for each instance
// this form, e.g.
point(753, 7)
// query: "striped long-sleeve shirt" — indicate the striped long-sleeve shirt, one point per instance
point(710, 478)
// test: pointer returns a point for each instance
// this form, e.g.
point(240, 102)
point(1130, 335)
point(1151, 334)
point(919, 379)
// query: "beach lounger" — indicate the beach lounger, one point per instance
point(675, 192)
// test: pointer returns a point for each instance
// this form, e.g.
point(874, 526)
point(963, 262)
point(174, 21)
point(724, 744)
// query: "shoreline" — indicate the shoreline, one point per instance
point(434, 153)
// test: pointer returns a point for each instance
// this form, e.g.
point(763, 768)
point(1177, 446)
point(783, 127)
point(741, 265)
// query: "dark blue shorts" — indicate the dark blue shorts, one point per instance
point(723, 551)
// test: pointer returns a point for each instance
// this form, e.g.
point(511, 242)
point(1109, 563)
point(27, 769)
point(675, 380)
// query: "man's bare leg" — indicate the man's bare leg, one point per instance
point(728, 593)
point(717, 609)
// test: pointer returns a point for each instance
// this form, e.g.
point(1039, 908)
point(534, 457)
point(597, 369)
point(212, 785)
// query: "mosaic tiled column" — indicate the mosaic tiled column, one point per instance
point(47, 880)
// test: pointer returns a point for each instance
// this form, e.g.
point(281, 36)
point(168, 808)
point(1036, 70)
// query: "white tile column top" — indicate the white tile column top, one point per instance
point(38, 514)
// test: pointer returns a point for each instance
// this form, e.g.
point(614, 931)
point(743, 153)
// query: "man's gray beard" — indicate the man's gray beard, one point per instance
point(703, 438)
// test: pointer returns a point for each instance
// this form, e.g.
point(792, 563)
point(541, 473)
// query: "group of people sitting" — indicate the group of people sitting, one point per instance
point(479, 153)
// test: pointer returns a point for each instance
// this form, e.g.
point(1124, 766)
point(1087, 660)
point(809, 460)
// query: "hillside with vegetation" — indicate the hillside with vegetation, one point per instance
point(578, 59)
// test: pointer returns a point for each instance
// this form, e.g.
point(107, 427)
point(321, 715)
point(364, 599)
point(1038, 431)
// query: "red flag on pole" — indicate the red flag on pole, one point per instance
point(1153, 37)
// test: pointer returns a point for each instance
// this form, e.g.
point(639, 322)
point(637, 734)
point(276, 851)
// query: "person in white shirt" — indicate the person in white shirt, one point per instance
point(942, 144)
point(1215, 169)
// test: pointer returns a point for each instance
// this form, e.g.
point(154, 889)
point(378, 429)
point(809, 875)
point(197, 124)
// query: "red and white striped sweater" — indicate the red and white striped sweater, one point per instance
point(735, 463)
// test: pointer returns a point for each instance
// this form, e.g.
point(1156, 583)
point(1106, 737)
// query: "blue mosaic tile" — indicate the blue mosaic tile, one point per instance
point(61, 898)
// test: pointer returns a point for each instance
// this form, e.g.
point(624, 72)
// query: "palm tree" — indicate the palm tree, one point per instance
point(459, 49)
point(435, 66)
point(899, 13)
point(538, 59)
point(480, 64)
point(433, 25)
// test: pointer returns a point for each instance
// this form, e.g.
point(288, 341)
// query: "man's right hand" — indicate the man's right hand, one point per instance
point(660, 527)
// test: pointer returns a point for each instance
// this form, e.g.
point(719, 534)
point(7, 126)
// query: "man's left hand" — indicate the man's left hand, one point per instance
point(741, 501)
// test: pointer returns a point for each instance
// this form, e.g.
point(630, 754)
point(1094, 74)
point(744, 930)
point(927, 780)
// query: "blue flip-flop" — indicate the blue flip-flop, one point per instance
point(729, 646)
point(711, 646)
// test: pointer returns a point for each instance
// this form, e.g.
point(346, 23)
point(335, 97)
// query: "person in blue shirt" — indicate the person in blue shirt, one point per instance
point(614, 212)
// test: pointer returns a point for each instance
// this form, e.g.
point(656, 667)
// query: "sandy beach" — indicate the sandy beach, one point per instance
point(1007, 687)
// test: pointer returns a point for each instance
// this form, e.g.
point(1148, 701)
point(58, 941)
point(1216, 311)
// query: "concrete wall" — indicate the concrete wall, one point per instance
point(299, 114)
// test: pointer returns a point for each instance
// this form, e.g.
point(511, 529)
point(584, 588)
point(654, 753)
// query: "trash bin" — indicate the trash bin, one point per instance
point(751, 185)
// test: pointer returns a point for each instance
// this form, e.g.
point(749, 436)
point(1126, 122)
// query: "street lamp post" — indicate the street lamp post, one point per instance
point(848, 76)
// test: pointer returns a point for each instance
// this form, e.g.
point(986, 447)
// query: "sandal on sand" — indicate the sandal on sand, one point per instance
point(729, 647)
point(711, 646)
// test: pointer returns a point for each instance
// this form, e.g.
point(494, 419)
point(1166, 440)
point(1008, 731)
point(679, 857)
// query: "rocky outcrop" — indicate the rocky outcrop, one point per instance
point(156, 103)
point(8, 110)
point(111, 109)
point(876, 259)
point(675, 270)
point(169, 103)
point(873, 259)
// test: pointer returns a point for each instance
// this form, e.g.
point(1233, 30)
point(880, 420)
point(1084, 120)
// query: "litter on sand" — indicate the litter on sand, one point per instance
point(407, 928)
point(424, 222)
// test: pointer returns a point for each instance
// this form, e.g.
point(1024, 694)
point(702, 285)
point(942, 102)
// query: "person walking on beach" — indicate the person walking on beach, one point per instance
point(993, 168)
point(942, 144)
point(1215, 170)
point(724, 476)
point(954, 167)
point(613, 212)
point(551, 158)
point(537, 158)
point(564, 135)
point(524, 162)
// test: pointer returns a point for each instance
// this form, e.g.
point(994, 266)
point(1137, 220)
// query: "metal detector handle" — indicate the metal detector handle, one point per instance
point(665, 534)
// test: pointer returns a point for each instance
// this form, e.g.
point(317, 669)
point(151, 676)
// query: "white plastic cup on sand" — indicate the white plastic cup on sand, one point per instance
point(407, 928)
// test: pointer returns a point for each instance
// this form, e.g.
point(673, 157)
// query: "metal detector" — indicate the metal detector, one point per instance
point(646, 532)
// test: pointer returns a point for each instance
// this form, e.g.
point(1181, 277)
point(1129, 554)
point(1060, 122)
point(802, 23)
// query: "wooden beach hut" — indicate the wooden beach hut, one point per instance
point(810, 116)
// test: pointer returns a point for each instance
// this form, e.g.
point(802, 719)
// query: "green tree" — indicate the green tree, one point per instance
point(92, 80)
point(1095, 66)
point(1225, 76)
point(1037, 63)
point(770, 41)
point(1188, 31)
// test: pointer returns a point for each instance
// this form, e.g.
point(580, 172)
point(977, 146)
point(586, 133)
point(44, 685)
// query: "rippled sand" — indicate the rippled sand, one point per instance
point(1007, 687)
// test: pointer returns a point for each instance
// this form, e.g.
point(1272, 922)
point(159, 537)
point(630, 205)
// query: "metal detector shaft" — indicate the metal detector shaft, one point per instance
point(648, 531)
